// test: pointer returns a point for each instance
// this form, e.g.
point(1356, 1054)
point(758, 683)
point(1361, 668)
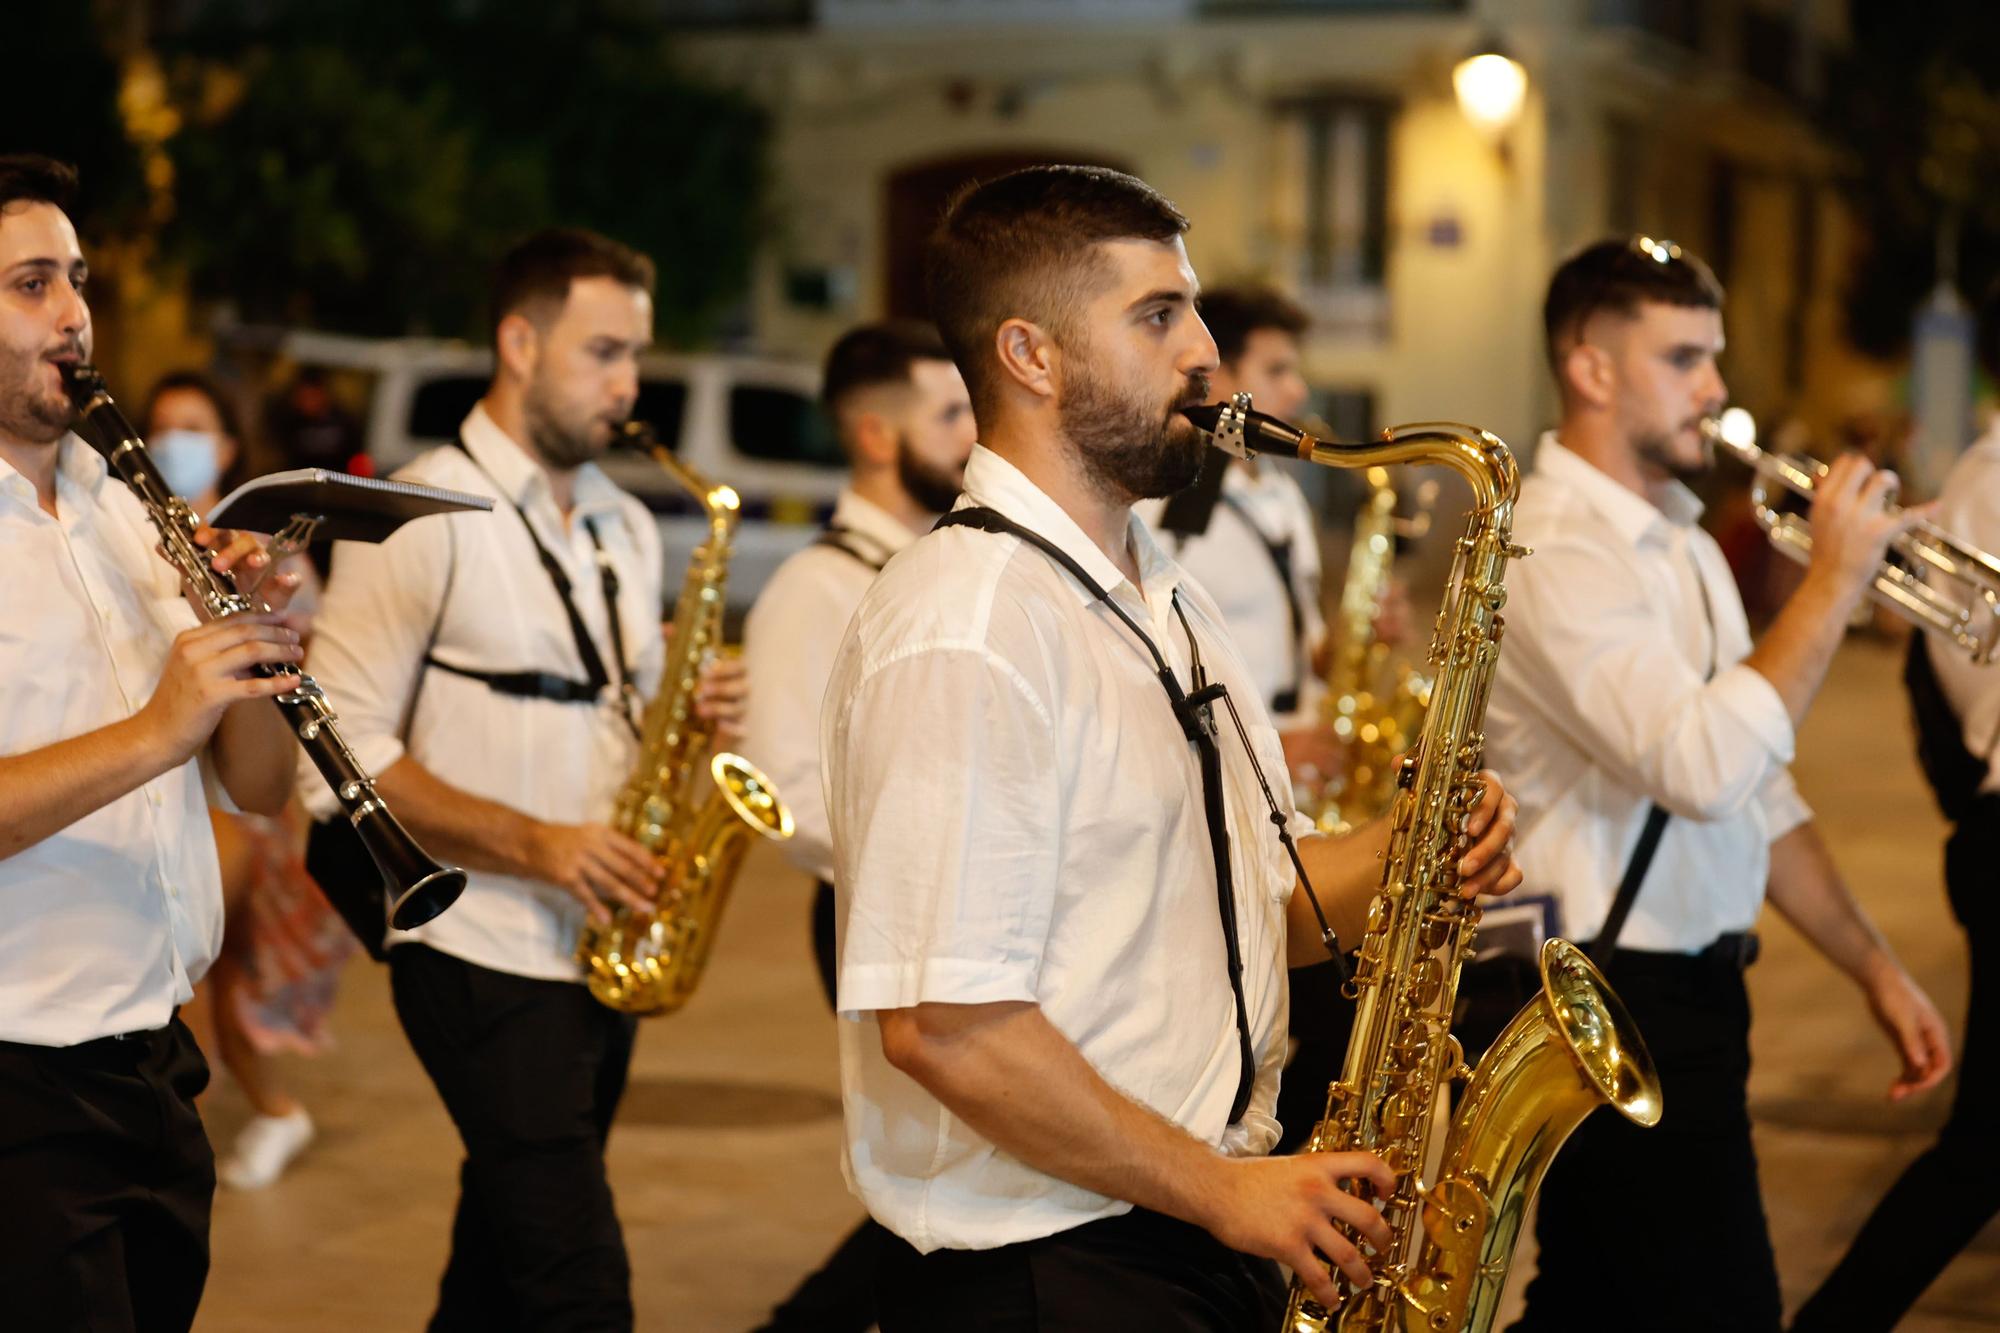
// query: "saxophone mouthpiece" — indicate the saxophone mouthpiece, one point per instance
point(1240, 430)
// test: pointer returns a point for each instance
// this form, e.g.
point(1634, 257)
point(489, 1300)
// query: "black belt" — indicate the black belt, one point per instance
point(1738, 949)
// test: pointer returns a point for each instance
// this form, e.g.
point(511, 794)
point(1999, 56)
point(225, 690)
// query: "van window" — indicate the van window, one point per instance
point(440, 406)
point(781, 425)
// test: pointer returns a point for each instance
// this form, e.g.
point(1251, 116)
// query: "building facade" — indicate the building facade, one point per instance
point(1318, 145)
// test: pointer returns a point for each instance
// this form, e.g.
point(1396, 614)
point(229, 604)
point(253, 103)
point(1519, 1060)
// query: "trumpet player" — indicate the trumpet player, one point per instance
point(900, 408)
point(1648, 738)
point(1051, 839)
point(116, 703)
point(1942, 1199)
point(489, 672)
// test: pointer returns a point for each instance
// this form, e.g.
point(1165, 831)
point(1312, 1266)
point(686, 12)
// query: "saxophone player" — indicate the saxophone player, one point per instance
point(490, 673)
point(900, 408)
point(1630, 686)
point(116, 703)
point(1057, 1089)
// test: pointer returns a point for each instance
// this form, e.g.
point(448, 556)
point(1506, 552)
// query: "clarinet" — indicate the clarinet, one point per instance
point(418, 887)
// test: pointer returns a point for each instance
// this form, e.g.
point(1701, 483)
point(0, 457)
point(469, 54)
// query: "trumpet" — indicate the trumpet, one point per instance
point(1934, 580)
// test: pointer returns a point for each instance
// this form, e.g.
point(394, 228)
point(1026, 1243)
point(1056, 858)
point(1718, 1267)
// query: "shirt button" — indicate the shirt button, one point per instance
point(154, 797)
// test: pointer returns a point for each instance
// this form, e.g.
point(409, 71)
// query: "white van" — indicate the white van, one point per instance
point(751, 422)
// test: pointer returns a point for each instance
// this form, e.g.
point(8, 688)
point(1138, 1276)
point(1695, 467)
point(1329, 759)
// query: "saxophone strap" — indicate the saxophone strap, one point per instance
point(837, 537)
point(1194, 711)
point(1280, 551)
point(544, 684)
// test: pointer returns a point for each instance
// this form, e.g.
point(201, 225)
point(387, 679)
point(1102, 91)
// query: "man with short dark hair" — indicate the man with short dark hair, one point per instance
point(1647, 739)
point(1063, 911)
point(1952, 1190)
point(114, 705)
point(905, 422)
point(489, 672)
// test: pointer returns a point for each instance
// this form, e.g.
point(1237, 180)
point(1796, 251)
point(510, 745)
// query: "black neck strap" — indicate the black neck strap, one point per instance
point(848, 542)
point(1193, 711)
point(545, 685)
point(1281, 562)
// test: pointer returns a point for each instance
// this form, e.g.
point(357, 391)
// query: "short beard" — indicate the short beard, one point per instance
point(24, 414)
point(1656, 450)
point(559, 447)
point(1130, 451)
point(934, 489)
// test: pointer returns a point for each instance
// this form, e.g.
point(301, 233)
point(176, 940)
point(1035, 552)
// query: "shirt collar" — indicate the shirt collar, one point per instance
point(1634, 516)
point(520, 478)
point(871, 522)
point(76, 462)
point(994, 483)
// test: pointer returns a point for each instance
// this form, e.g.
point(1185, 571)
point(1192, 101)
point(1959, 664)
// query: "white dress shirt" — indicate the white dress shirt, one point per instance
point(1969, 508)
point(789, 642)
point(106, 924)
point(1017, 816)
point(560, 762)
point(1602, 705)
point(1232, 562)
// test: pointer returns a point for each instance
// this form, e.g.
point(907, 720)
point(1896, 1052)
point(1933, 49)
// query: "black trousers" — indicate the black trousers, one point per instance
point(1943, 1199)
point(1142, 1270)
point(840, 1296)
point(1664, 1226)
point(105, 1183)
point(531, 1072)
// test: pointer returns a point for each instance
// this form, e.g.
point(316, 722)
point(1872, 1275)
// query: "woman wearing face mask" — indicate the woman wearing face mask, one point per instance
point(283, 946)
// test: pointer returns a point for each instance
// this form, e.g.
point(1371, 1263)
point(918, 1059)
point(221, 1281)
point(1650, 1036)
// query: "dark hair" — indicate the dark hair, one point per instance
point(1989, 332)
point(32, 178)
point(1618, 276)
point(1234, 313)
point(1019, 246)
point(875, 354)
point(194, 381)
point(540, 268)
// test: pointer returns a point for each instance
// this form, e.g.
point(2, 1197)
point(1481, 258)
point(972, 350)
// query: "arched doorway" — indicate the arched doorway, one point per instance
point(917, 196)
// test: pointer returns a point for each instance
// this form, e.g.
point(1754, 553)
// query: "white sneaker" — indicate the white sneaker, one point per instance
point(264, 1149)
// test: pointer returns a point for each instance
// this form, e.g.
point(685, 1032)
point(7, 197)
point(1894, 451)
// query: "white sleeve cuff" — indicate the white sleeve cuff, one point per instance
point(872, 986)
point(1784, 808)
point(1753, 701)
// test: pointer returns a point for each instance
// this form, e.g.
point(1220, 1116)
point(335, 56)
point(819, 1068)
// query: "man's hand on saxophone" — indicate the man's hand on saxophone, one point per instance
point(1292, 1209)
point(596, 865)
point(1346, 872)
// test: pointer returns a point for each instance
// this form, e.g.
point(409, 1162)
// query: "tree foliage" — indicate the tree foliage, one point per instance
point(62, 101)
point(1921, 109)
point(358, 166)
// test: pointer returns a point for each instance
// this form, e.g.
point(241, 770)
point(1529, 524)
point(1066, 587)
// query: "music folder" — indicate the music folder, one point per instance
point(334, 505)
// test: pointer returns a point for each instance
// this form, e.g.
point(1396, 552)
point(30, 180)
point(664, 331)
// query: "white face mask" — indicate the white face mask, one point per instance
point(190, 460)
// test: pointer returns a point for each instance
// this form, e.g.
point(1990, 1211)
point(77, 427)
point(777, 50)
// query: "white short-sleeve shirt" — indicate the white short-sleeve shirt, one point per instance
point(106, 924)
point(1603, 704)
point(1017, 815)
point(475, 580)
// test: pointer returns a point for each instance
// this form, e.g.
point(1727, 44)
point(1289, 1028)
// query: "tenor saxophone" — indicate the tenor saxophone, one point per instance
point(1372, 705)
point(697, 819)
point(1570, 1050)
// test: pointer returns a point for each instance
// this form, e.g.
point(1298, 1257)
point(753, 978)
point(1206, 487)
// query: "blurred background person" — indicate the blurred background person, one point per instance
point(308, 426)
point(283, 945)
point(905, 421)
point(1952, 1189)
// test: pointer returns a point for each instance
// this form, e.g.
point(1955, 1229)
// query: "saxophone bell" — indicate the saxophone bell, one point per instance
point(697, 818)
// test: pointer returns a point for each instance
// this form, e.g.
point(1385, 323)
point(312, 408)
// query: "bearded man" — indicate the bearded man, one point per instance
point(489, 673)
point(1063, 912)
